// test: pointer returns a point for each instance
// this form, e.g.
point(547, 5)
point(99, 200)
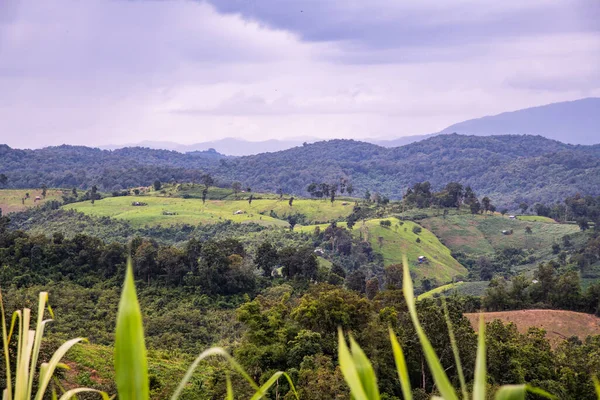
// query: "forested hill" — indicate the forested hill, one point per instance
point(509, 168)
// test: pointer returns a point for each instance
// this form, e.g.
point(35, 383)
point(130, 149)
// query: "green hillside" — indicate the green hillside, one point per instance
point(482, 234)
point(270, 212)
point(399, 239)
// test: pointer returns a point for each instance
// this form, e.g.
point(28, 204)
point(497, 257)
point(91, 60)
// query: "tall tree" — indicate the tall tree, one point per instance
point(93, 193)
point(266, 258)
point(350, 189)
point(3, 180)
point(236, 187)
point(486, 203)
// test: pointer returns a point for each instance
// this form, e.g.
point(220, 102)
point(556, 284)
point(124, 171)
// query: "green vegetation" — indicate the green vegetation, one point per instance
point(536, 218)
point(275, 297)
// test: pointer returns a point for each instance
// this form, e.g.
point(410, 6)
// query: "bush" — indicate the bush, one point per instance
point(417, 229)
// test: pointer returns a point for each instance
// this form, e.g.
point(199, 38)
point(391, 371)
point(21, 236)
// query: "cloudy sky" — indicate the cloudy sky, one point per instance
point(119, 71)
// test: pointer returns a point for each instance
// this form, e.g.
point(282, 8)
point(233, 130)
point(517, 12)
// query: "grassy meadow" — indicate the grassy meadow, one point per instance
point(270, 212)
point(399, 239)
point(10, 199)
point(482, 234)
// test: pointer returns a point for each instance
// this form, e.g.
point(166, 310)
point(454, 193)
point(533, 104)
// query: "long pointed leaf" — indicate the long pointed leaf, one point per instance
point(267, 385)
point(349, 369)
point(365, 371)
point(131, 364)
point(39, 333)
point(207, 353)
point(596, 386)
point(47, 369)
point(437, 371)
point(73, 392)
point(461, 375)
point(518, 392)
point(229, 387)
point(6, 393)
point(401, 366)
point(479, 384)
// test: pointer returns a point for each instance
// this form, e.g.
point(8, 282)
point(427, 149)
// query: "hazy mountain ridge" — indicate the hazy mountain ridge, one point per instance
point(509, 168)
point(575, 122)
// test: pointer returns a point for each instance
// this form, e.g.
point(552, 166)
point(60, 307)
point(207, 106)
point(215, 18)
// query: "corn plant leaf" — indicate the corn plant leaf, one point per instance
point(349, 369)
point(596, 386)
point(73, 392)
point(7, 392)
point(401, 366)
point(131, 364)
point(518, 392)
point(461, 375)
point(479, 384)
point(267, 385)
point(215, 351)
point(437, 371)
point(39, 333)
point(365, 371)
point(229, 387)
point(47, 369)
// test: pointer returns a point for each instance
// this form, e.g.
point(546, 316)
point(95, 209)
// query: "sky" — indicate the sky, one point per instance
point(97, 72)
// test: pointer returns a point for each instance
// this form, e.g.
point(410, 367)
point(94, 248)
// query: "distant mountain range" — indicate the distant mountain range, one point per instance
point(574, 122)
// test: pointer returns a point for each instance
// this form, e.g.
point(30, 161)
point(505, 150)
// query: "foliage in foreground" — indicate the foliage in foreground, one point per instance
point(132, 373)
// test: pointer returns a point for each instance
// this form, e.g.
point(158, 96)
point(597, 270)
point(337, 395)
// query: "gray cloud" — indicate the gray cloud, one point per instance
point(96, 71)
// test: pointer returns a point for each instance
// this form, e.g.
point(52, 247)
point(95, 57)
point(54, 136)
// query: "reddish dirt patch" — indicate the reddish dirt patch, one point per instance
point(558, 324)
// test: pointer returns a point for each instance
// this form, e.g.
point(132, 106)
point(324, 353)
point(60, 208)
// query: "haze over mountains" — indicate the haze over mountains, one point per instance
point(574, 122)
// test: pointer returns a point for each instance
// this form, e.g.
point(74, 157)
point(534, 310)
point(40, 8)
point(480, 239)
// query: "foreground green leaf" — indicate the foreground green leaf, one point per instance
point(401, 366)
point(131, 364)
point(437, 371)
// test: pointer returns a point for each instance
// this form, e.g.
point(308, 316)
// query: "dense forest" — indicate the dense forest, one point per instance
point(511, 168)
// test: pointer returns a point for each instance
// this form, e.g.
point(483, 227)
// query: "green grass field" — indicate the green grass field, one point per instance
point(536, 218)
point(271, 212)
point(399, 239)
point(482, 234)
point(10, 199)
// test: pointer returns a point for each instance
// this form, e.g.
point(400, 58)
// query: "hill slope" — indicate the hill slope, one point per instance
point(575, 122)
point(399, 239)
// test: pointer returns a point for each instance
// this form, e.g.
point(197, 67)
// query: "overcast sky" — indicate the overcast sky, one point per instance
point(96, 72)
